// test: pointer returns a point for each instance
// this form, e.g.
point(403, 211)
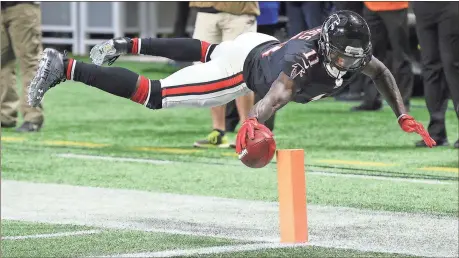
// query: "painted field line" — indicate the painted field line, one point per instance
point(211, 250)
point(224, 154)
point(319, 173)
point(354, 162)
point(61, 234)
point(442, 169)
point(13, 139)
point(75, 144)
point(108, 158)
point(393, 179)
point(230, 154)
point(165, 150)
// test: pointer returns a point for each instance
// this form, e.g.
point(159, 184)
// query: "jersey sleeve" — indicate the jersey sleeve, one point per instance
point(297, 65)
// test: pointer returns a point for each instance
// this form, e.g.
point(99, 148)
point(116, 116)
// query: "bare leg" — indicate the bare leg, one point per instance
point(218, 117)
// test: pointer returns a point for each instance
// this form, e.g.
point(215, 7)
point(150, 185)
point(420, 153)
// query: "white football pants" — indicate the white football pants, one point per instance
point(216, 82)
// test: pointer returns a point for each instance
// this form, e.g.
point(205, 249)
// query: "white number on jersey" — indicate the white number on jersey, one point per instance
point(306, 35)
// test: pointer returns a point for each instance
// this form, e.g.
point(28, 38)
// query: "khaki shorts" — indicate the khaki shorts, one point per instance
point(218, 27)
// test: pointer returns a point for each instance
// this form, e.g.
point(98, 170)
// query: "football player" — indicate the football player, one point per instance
point(310, 66)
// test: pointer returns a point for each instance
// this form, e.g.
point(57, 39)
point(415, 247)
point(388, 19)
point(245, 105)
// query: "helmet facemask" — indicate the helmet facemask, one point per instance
point(350, 60)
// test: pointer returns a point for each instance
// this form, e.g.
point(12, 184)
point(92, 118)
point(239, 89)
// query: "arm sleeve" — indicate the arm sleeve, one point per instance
point(178, 49)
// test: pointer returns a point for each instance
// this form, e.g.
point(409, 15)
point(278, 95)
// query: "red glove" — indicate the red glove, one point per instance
point(248, 130)
point(409, 125)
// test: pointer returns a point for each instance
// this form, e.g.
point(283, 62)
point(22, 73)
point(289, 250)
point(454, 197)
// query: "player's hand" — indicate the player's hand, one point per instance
point(409, 125)
point(248, 130)
point(109, 51)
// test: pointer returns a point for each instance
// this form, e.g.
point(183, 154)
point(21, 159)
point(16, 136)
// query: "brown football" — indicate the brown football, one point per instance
point(259, 151)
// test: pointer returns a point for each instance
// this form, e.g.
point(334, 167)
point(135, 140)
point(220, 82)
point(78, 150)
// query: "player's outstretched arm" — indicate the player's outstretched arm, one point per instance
point(386, 85)
point(279, 95)
point(178, 49)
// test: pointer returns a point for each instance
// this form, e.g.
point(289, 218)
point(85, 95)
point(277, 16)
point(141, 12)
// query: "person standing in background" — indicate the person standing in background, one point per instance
point(21, 41)
point(268, 18)
point(180, 26)
point(355, 6)
point(388, 22)
point(266, 23)
point(303, 16)
point(217, 22)
point(437, 27)
point(183, 12)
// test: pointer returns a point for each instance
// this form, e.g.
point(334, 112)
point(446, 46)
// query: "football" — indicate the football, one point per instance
point(259, 151)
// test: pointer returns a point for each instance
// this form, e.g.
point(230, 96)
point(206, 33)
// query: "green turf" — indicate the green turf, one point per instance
point(228, 181)
point(310, 251)
point(325, 129)
point(75, 113)
point(105, 243)
point(111, 242)
point(20, 228)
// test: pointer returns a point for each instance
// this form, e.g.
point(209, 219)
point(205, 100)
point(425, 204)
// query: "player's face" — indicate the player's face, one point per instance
point(345, 62)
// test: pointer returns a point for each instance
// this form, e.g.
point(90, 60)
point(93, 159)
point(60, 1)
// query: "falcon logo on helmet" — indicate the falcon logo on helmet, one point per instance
point(345, 42)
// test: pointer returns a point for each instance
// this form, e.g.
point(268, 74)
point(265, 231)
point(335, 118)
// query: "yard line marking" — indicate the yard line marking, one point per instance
point(210, 250)
point(318, 173)
point(443, 169)
point(13, 139)
point(354, 162)
point(165, 150)
point(394, 179)
point(224, 154)
point(108, 158)
point(76, 144)
point(122, 226)
point(226, 218)
point(61, 234)
point(230, 154)
point(204, 234)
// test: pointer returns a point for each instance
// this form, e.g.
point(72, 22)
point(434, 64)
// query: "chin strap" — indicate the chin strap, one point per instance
point(334, 72)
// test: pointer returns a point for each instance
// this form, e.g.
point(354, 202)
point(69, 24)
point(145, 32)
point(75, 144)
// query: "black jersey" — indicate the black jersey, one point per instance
point(299, 58)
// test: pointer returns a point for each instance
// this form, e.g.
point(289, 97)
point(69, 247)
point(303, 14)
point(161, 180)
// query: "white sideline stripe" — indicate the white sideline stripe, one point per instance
point(338, 227)
point(62, 234)
point(108, 158)
point(319, 173)
point(203, 234)
point(210, 250)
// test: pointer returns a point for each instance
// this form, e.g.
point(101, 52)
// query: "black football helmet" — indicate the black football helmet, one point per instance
point(345, 41)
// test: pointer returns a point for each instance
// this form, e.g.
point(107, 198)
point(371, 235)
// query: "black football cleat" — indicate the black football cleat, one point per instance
point(50, 73)
point(28, 127)
point(8, 125)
